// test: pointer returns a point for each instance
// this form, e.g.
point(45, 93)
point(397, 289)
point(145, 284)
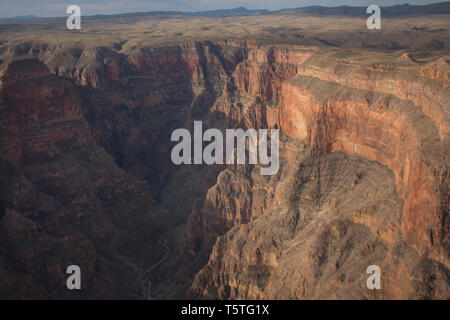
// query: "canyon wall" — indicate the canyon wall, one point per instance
point(332, 108)
point(64, 200)
point(363, 178)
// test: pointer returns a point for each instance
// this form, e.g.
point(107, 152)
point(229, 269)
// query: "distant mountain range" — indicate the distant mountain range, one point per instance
point(228, 12)
point(404, 9)
point(30, 16)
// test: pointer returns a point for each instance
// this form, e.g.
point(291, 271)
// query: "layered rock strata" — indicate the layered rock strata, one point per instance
point(363, 180)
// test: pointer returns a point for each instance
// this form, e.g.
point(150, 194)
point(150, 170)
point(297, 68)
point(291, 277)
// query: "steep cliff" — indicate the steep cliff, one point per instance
point(364, 174)
point(377, 111)
point(64, 200)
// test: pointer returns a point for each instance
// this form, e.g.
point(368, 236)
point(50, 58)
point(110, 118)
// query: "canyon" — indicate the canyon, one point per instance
point(363, 179)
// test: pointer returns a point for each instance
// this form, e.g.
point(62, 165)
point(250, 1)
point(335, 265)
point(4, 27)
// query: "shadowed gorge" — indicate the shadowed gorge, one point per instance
point(364, 176)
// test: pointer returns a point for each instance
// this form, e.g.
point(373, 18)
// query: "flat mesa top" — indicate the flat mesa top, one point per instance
point(129, 33)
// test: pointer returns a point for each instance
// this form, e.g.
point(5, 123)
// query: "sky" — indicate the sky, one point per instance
point(55, 8)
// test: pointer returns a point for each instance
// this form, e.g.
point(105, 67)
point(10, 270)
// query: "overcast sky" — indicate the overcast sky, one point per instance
point(51, 8)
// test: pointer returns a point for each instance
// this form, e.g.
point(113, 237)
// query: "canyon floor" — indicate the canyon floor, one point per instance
point(86, 118)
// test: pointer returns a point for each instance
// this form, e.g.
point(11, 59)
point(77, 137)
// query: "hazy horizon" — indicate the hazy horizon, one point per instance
point(53, 8)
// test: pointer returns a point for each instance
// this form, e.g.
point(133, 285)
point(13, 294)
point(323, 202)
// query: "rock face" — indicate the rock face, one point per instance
point(366, 115)
point(363, 180)
point(64, 200)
